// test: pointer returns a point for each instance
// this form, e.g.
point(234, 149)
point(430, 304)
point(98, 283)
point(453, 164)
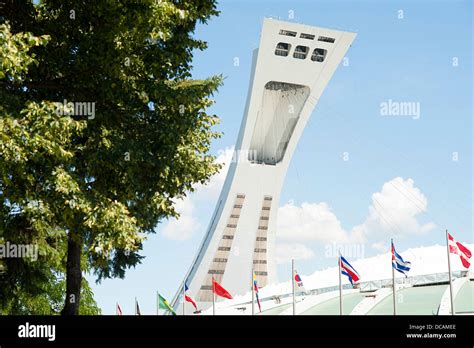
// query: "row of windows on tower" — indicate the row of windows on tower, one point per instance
point(300, 52)
point(307, 36)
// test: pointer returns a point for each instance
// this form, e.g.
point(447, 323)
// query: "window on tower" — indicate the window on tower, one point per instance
point(301, 52)
point(307, 36)
point(282, 49)
point(319, 54)
point(326, 39)
point(287, 32)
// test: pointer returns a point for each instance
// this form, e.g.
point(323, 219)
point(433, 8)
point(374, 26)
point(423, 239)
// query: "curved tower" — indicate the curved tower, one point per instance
point(290, 71)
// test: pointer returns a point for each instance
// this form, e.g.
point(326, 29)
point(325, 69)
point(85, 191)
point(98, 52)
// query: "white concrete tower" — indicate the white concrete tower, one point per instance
point(290, 71)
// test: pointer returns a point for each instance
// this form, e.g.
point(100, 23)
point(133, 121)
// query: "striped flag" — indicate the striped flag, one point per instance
point(348, 270)
point(255, 289)
point(398, 263)
point(459, 249)
point(118, 310)
point(188, 297)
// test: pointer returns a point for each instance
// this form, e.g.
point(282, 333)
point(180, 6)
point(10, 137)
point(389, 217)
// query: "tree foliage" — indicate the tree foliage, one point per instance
point(91, 185)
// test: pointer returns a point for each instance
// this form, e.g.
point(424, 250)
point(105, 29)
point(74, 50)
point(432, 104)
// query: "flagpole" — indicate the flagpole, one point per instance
point(184, 299)
point(135, 306)
point(340, 283)
point(253, 293)
point(293, 285)
point(157, 303)
point(393, 283)
point(449, 272)
point(213, 298)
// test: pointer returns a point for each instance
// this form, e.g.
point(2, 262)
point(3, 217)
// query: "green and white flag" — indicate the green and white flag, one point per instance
point(163, 304)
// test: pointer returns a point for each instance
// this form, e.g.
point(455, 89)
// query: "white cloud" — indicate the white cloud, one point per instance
point(187, 224)
point(310, 222)
point(394, 212)
point(286, 252)
point(184, 227)
point(379, 246)
point(426, 228)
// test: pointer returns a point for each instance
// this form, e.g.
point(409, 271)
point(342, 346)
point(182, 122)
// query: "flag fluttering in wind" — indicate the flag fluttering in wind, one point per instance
point(118, 310)
point(459, 249)
point(348, 270)
point(137, 308)
point(219, 290)
point(255, 289)
point(398, 263)
point(188, 297)
point(299, 287)
point(163, 304)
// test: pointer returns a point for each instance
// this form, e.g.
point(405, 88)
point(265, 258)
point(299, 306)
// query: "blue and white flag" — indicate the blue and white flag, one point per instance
point(398, 263)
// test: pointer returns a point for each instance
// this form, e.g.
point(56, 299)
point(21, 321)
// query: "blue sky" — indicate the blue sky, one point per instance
point(407, 163)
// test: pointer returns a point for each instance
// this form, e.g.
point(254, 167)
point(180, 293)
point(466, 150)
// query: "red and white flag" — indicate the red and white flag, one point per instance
point(118, 310)
point(459, 249)
point(188, 297)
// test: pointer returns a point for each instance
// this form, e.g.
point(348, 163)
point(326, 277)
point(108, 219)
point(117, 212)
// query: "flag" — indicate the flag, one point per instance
point(163, 304)
point(187, 296)
point(118, 310)
point(298, 282)
point(137, 308)
point(348, 270)
point(219, 290)
point(459, 249)
point(255, 288)
point(398, 263)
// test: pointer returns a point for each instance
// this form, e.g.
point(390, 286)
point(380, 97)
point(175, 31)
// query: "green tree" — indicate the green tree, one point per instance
point(27, 286)
point(102, 127)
